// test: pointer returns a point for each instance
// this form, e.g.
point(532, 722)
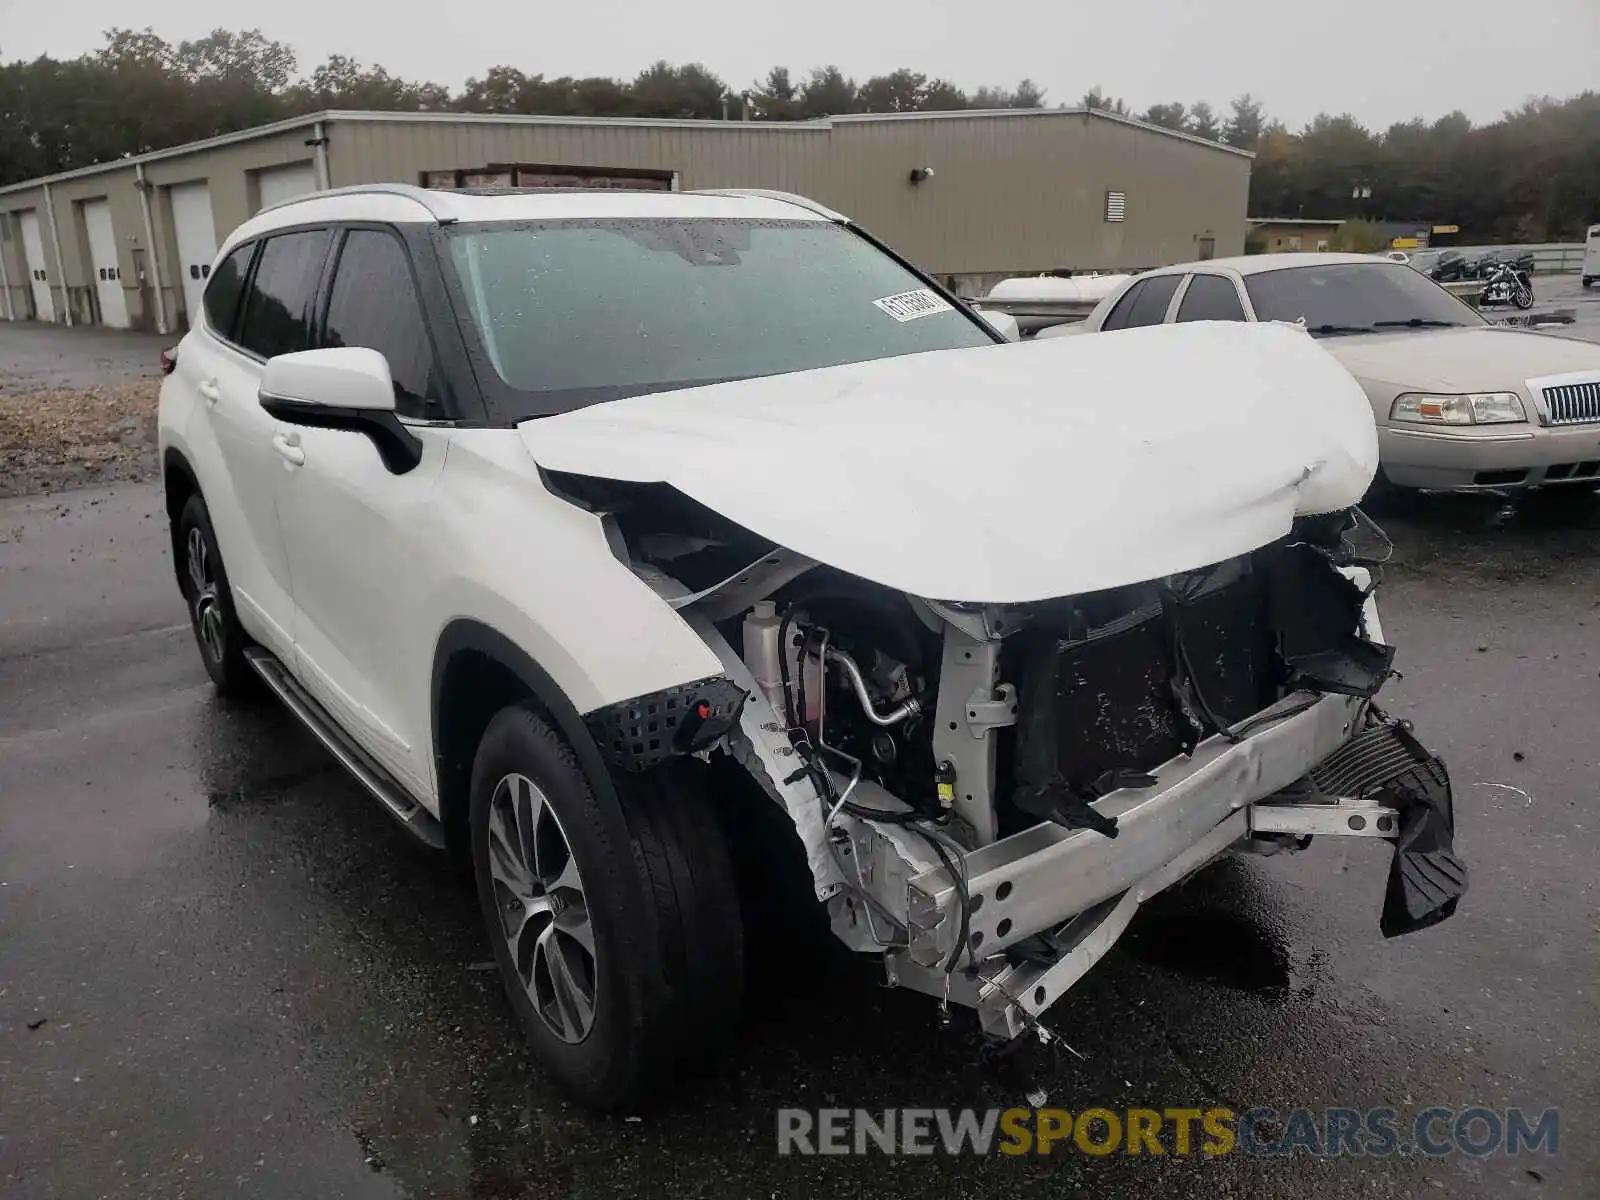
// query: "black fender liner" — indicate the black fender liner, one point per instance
point(173, 462)
point(465, 634)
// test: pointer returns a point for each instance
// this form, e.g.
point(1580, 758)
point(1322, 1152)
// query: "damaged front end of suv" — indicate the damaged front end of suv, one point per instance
point(988, 789)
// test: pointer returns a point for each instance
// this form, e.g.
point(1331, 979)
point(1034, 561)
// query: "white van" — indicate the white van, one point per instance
point(1591, 256)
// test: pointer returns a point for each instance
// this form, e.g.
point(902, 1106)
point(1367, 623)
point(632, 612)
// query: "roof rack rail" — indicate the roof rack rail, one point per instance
point(772, 194)
point(409, 190)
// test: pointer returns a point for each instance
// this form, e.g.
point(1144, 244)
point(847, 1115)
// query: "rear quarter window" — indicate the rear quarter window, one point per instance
point(224, 290)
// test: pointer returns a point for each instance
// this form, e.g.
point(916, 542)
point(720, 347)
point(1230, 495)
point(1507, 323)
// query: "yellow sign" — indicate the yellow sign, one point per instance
point(1447, 229)
point(1409, 243)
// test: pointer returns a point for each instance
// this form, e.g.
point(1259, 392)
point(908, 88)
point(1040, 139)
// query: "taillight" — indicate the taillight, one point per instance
point(169, 361)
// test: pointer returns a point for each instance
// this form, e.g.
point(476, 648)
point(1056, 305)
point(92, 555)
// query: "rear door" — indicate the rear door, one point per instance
point(249, 317)
point(352, 527)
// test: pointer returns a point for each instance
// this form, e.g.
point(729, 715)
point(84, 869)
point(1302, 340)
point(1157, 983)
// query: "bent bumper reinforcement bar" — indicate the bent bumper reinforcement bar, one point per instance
point(1056, 900)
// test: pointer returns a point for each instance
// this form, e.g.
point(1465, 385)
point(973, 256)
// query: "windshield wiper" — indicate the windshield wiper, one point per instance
point(1339, 329)
point(1417, 323)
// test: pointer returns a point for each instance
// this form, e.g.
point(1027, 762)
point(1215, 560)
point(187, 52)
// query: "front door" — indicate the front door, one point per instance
point(354, 529)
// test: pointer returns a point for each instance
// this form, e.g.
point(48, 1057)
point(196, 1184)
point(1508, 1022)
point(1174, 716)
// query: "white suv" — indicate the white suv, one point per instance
point(542, 510)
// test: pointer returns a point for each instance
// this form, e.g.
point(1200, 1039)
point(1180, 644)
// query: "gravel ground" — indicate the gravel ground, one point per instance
point(77, 407)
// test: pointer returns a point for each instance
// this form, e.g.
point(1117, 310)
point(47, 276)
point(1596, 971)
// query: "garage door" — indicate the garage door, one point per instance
point(278, 184)
point(197, 242)
point(103, 263)
point(44, 308)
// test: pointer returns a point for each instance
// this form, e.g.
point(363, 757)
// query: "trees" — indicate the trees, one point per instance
point(1095, 98)
point(1533, 174)
point(1203, 122)
point(1168, 116)
point(827, 93)
point(1243, 128)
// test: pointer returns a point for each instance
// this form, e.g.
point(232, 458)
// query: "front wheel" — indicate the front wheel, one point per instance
point(1522, 298)
point(614, 919)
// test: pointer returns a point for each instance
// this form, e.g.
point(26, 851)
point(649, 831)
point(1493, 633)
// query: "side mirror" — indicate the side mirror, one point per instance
point(348, 377)
point(346, 388)
point(1002, 323)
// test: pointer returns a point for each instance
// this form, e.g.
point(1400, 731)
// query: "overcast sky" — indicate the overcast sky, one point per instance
point(1382, 60)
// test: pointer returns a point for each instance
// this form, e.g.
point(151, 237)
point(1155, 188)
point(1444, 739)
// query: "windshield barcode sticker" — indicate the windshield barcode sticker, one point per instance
point(908, 306)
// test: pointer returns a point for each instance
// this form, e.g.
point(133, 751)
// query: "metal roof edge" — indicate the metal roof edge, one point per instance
point(287, 125)
point(820, 124)
point(1001, 113)
point(474, 118)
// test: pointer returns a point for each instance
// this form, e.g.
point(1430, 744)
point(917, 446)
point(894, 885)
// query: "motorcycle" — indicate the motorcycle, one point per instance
point(1504, 283)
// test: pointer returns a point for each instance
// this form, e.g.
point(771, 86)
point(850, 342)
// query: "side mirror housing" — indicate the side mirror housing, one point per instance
point(1002, 323)
point(348, 377)
point(347, 388)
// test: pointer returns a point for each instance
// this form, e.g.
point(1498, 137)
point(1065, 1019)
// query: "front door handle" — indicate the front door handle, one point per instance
point(289, 449)
point(209, 389)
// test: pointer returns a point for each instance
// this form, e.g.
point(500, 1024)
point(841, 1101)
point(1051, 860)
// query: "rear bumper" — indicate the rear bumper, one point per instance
point(1490, 460)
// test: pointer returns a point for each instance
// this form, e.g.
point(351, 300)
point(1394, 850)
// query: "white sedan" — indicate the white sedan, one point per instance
point(1461, 404)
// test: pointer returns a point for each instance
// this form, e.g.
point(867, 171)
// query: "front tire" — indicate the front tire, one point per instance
point(204, 582)
point(614, 920)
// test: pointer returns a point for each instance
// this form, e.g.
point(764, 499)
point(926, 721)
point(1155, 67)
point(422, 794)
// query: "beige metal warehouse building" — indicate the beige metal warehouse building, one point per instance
point(969, 196)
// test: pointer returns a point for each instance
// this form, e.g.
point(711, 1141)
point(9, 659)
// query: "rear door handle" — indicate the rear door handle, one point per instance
point(209, 389)
point(289, 450)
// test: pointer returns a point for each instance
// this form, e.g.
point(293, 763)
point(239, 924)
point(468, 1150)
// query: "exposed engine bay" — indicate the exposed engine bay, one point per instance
point(988, 792)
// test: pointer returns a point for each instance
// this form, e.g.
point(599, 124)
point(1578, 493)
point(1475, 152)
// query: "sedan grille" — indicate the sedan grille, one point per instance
point(1573, 403)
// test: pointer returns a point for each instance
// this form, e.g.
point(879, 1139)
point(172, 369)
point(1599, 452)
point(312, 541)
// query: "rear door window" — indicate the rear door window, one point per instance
point(1151, 306)
point(1211, 298)
point(373, 303)
point(277, 308)
point(224, 289)
point(1145, 304)
point(1117, 318)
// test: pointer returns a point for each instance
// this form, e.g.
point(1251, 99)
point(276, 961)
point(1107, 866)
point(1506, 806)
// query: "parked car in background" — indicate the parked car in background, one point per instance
point(1460, 404)
point(1591, 257)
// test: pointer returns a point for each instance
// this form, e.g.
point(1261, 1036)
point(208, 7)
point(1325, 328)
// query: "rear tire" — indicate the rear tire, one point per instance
point(614, 921)
point(204, 581)
point(1588, 281)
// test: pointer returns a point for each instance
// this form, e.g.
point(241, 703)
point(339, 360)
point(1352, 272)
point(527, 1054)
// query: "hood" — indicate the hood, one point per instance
point(1475, 359)
point(1007, 474)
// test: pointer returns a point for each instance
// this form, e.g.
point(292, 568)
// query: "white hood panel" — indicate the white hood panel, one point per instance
point(1007, 474)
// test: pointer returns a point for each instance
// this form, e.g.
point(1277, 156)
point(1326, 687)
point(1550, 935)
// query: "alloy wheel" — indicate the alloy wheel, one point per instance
point(544, 913)
point(203, 594)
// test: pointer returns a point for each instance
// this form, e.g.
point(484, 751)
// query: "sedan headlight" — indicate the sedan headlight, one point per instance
point(1476, 408)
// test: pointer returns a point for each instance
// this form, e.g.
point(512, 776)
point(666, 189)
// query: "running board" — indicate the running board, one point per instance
point(416, 820)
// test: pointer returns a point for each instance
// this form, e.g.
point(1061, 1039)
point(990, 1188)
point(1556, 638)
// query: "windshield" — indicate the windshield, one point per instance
point(1353, 297)
point(571, 313)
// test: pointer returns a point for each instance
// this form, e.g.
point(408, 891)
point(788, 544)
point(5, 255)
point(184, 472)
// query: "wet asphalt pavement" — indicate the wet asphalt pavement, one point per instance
point(224, 972)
